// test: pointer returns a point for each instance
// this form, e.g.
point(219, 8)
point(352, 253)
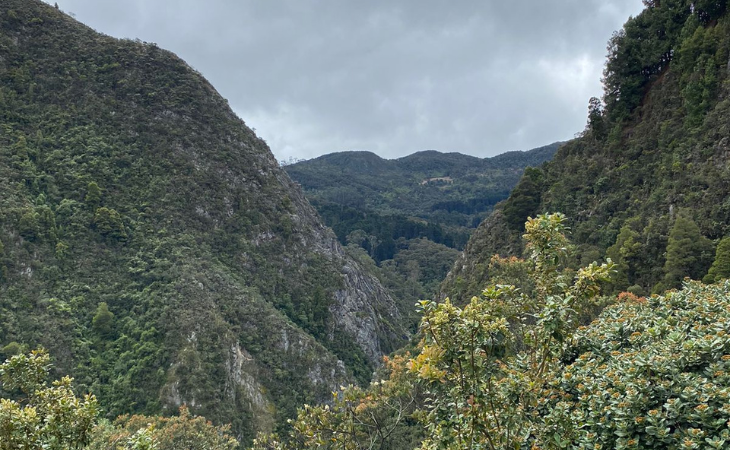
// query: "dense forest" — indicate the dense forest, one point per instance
point(153, 249)
point(411, 216)
point(151, 243)
point(522, 350)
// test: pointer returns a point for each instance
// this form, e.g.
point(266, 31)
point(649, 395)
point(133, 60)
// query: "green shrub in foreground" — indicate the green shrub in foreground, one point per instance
point(651, 373)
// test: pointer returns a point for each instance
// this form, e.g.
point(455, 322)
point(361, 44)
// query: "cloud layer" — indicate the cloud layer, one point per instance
point(475, 76)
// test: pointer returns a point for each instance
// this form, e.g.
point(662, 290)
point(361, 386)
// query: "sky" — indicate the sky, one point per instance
point(480, 77)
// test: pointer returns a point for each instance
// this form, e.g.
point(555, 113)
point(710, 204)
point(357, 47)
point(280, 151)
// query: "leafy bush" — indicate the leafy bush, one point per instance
point(487, 366)
point(650, 373)
point(45, 417)
point(182, 432)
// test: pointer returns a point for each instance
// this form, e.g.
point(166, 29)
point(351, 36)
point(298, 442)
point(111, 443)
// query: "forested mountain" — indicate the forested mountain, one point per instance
point(410, 215)
point(150, 241)
point(648, 182)
point(448, 189)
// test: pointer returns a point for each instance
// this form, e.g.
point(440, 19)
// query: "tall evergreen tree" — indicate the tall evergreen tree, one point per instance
point(721, 266)
point(688, 253)
point(624, 253)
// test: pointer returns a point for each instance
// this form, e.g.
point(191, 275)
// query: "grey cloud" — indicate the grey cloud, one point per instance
point(313, 77)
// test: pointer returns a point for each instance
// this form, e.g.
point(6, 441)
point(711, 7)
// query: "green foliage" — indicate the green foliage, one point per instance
point(596, 125)
point(181, 432)
point(664, 150)
point(626, 253)
point(384, 205)
point(93, 195)
point(487, 366)
point(28, 225)
point(11, 350)
point(524, 199)
point(126, 180)
point(448, 190)
point(688, 253)
point(720, 268)
point(381, 416)
point(109, 223)
point(650, 373)
point(3, 266)
point(103, 321)
point(47, 417)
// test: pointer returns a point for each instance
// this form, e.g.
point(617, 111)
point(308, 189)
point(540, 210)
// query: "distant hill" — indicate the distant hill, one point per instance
point(648, 183)
point(449, 189)
point(411, 215)
point(150, 241)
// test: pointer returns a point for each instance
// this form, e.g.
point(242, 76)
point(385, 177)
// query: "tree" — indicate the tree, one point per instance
point(28, 226)
point(488, 366)
point(182, 432)
point(109, 223)
point(525, 199)
point(625, 253)
point(45, 417)
point(596, 119)
point(688, 253)
point(93, 195)
point(381, 416)
point(720, 269)
point(103, 320)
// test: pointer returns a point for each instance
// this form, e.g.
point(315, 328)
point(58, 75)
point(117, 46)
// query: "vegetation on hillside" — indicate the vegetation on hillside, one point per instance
point(150, 242)
point(36, 416)
point(515, 368)
point(647, 182)
point(383, 205)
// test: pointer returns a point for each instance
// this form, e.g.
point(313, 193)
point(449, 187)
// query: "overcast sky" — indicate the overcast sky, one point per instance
point(394, 77)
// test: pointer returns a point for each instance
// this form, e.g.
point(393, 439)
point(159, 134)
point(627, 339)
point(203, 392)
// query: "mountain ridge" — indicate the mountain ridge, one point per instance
point(234, 298)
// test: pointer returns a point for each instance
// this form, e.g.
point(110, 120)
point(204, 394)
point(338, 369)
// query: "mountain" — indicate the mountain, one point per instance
point(648, 182)
point(449, 189)
point(409, 216)
point(150, 241)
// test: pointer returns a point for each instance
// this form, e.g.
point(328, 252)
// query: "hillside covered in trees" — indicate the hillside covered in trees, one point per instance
point(451, 190)
point(151, 243)
point(648, 183)
point(412, 215)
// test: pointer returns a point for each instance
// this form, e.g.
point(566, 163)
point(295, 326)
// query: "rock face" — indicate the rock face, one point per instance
point(126, 179)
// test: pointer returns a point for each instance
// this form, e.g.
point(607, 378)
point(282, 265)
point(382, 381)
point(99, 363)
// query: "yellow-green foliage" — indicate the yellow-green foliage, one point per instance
point(512, 369)
point(487, 366)
point(720, 269)
point(182, 432)
point(46, 417)
point(381, 416)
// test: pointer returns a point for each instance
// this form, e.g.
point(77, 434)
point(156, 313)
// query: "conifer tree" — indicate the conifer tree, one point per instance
point(688, 253)
point(720, 269)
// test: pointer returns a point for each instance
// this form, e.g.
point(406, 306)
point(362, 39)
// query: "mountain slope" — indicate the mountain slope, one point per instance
point(648, 183)
point(410, 215)
point(448, 189)
point(150, 241)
